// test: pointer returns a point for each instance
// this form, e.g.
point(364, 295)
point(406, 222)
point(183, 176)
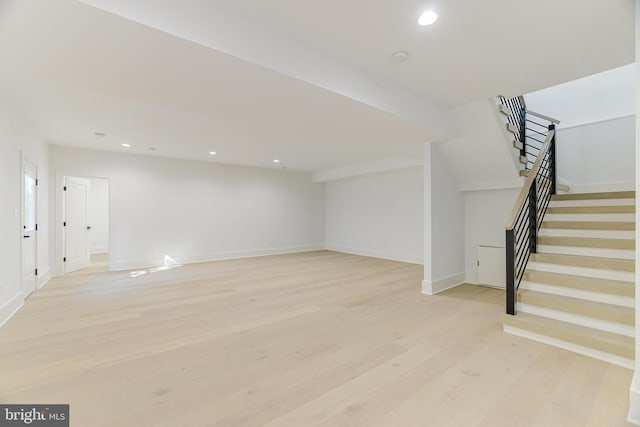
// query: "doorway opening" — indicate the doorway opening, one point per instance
point(86, 224)
point(29, 227)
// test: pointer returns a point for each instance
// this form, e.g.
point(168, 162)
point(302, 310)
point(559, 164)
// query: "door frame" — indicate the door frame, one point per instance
point(23, 164)
point(59, 217)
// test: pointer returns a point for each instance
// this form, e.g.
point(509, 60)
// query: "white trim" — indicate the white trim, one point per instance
point(577, 319)
point(585, 351)
point(583, 232)
point(634, 390)
point(10, 308)
point(593, 202)
point(580, 293)
point(587, 251)
point(58, 215)
point(600, 273)
point(600, 187)
point(437, 286)
point(193, 259)
point(634, 401)
point(609, 119)
point(100, 250)
point(43, 278)
point(412, 259)
point(36, 235)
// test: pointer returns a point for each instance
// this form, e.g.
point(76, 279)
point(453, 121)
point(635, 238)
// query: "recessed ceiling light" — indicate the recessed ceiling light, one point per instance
point(428, 18)
point(399, 57)
point(213, 153)
point(126, 145)
point(98, 133)
point(276, 161)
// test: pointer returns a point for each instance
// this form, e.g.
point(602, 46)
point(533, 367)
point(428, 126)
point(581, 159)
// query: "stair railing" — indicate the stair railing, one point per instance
point(532, 127)
point(527, 214)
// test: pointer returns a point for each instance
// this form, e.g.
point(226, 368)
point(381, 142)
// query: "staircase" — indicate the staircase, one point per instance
point(577, 291)
point(570, 258)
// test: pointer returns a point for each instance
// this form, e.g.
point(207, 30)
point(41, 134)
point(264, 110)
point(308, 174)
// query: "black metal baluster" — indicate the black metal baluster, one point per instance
point(511, 285)
point(552, 158)
point(533, 217)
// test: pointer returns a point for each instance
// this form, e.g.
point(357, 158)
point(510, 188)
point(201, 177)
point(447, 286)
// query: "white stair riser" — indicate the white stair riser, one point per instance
point(626, 276)
point(626, 217)
point(596, 252)
point(602, 234)
point(578, 293)
point(596, 354)
point(576, 319)
point(595, 202)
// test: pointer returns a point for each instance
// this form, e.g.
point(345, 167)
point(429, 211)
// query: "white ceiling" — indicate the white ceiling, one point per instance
point(309, 83)
point(476, 49)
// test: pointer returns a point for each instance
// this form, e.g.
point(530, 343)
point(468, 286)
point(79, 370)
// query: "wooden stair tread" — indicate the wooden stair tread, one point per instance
point(591, 209)
point(604, 341)
point(588, 242)
point(584, 261)
point(595, 196)
point(582, 307)
point(590, 225)
point(591, 284)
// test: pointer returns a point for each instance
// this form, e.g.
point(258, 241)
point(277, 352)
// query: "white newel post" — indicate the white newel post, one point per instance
point(634, 392)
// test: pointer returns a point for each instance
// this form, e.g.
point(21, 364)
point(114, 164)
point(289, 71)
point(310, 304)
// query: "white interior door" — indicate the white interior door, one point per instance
point(29, 226)
point(491, 266)
point(76, 226)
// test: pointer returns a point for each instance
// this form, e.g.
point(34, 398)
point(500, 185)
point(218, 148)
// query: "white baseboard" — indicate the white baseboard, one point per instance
point(412, 259)
point(10, 308)
point(634, 400)
point(437, 286)
point(193, 259)
point(43, 278)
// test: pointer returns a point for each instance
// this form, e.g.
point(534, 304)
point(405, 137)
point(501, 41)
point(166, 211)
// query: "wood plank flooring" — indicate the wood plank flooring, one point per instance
point(311, 339)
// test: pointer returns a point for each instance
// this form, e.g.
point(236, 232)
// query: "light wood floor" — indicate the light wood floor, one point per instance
point(312, 339)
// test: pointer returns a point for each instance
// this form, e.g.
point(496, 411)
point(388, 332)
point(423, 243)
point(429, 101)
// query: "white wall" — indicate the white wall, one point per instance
point(98, 215)
point(18, 140)
point(444, 224)
point(596, 135)
point(598, 156)
point(602, 96)
point(378, 215)
point(197, 211)
point(486, 214)
point(483, 156)
point(634, 390)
